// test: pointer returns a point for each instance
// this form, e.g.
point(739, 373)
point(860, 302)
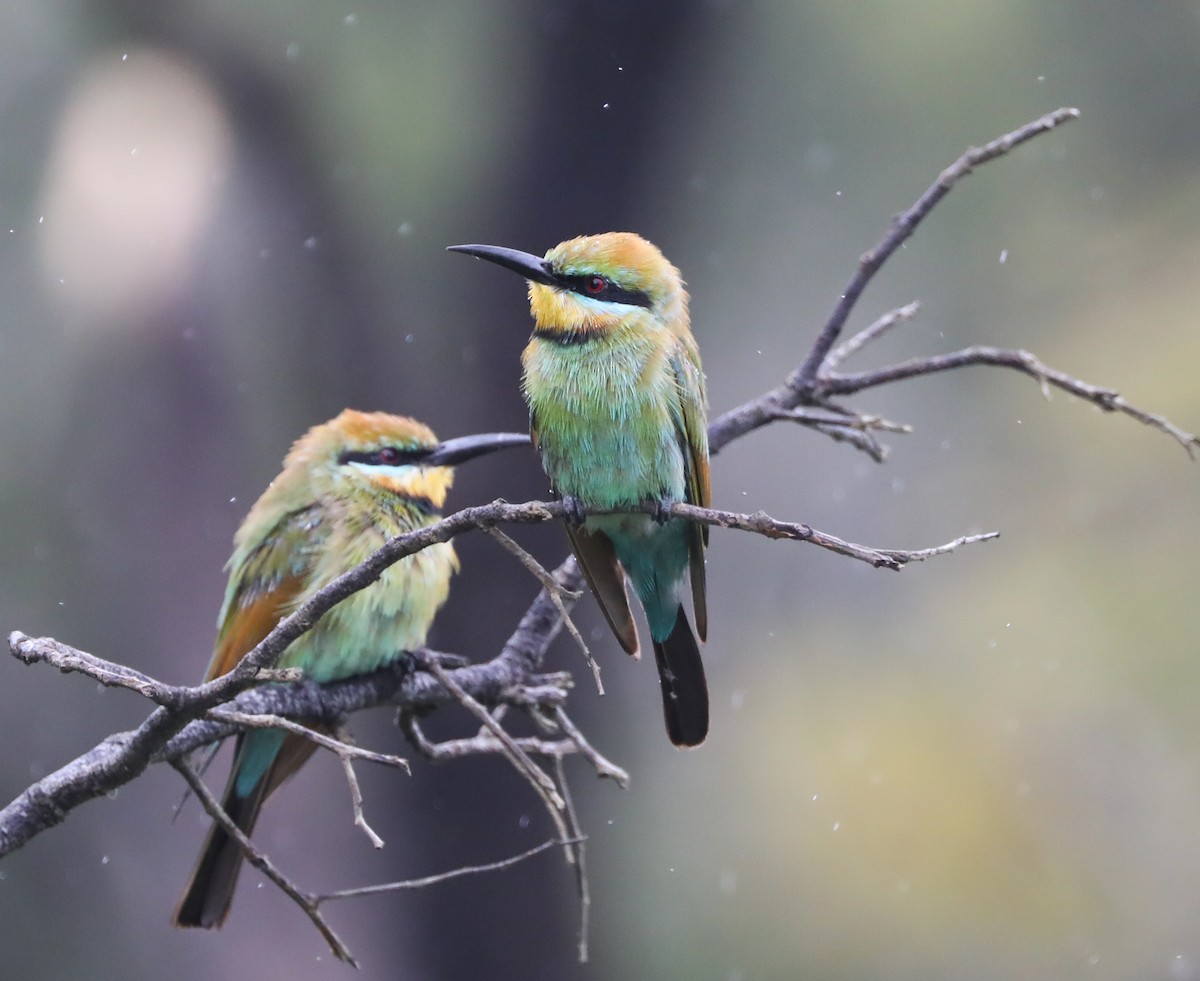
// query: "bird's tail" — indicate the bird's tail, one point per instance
point(684, 688)
point(209, 893)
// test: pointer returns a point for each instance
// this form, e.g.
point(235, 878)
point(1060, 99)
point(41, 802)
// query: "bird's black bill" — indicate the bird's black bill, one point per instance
point(532, 267)
point(455, 451)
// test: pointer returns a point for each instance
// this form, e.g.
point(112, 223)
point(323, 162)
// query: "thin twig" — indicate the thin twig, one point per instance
point(763, 524)
point(865, 336)
point(579, 847)
point(557, 594)
point(260, 861)
point(356, 797)
point(604, 766)
point(524, 765)
point(346, 750)
point(903, 226)
point(1107, 399)
point(433, 880)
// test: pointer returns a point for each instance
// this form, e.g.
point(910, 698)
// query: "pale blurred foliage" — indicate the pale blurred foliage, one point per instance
point(139, 157)
point(985, 767)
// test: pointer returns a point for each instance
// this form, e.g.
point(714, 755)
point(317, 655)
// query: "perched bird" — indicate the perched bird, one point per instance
point(618, 410)
point(347, 486)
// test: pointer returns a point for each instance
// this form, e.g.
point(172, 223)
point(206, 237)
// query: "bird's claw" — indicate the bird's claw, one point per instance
point(662, 510)
point(573, 511)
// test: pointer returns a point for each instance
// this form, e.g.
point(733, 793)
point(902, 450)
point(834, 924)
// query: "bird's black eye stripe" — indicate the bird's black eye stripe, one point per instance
point(590, 285)
point(386, 456)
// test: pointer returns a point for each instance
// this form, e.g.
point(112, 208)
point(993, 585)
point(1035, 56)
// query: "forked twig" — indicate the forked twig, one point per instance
point(260, 861)
point(433, 880)
point(556, 593)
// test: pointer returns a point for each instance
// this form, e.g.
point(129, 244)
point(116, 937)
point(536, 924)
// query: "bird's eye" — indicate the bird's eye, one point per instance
point(389, 456)
point(595, 284)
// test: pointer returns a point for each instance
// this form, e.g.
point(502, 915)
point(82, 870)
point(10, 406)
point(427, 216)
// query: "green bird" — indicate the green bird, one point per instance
point(347, 486)
point(618, 411)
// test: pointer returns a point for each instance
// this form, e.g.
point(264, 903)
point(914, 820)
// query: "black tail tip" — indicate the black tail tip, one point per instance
point(684, 687)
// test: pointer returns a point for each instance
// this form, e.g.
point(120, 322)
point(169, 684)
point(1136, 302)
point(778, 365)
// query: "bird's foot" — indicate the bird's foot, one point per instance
point(662, 510)
point(573, 510)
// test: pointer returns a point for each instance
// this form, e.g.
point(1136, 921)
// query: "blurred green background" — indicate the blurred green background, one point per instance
point(222, 221)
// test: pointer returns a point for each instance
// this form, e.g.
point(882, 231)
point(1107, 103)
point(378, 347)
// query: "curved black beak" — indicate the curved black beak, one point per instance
point(532, 267)
point(453, 451)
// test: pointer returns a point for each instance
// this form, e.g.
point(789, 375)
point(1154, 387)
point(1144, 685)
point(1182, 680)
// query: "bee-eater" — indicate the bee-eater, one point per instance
point(617, 408)
point(347, 486)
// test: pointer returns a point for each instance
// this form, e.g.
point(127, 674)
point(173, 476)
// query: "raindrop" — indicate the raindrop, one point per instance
point(350, 20)
point(311, 242)
point(523, 822)
point(1003, 256)
point(836, 825)
point(104, 860)
point(404, 228)
point(605, 106)
point(408, 338)
point(292, 51)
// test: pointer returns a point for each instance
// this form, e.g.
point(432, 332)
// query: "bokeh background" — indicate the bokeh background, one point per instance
point(221, 222)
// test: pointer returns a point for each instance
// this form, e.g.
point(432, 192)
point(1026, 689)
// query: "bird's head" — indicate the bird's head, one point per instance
point(378, 453)
point(591, 285)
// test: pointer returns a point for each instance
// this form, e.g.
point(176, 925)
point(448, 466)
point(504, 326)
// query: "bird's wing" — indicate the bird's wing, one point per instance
point(692, 422)
point(263, 586)
point(598, 560)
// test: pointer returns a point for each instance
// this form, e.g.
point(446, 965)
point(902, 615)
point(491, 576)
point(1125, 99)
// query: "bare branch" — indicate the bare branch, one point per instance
point(556, 592)
point(581, 876)
point(763, 524)
point(1107, 399)
point(356, 798)
point(433, 880)
point(262, 863)
point(187, 717)
point(903, 226)
point(520, 760)
point(864, 337)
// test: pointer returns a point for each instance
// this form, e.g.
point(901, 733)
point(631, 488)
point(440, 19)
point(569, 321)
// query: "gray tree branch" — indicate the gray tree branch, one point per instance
point(185, 718)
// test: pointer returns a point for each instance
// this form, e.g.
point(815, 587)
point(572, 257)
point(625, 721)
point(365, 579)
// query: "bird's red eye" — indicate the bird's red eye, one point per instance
point(595, 284)
point(389, 456)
